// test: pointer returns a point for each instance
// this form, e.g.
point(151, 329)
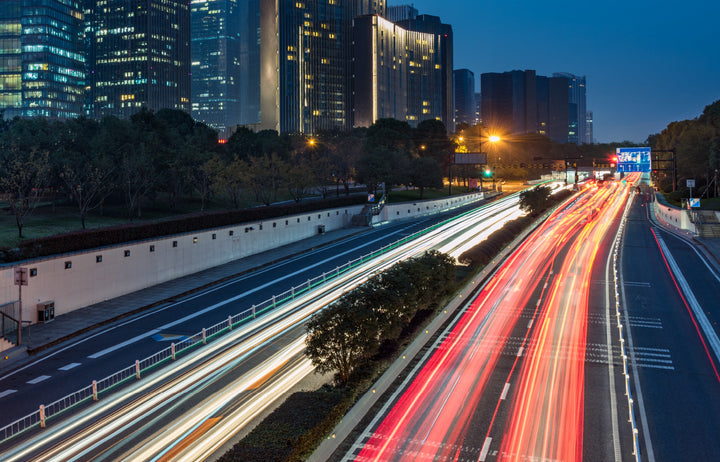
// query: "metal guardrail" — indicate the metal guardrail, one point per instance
point(137, 370)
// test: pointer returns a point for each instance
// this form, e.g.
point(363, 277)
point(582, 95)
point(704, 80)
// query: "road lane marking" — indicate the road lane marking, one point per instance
point(6, 392)
point(485, 448)
point(505, 391)
point(38, 379)
point(520, 351)
point(125, 343)
point(530, 324)
point(68, 367)
point(694, 305)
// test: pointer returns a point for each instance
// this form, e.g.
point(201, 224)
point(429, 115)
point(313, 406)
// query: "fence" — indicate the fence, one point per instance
point(136, 371)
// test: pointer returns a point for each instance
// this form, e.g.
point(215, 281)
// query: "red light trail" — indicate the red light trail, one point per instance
point(546, 280)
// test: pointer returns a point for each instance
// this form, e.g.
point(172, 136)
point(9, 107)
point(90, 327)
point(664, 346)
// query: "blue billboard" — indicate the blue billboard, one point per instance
point(633, 160)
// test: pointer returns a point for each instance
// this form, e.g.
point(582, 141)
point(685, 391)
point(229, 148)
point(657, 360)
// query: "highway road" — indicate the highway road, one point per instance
point(147, 408)
point(672, 299)
point(531, 369)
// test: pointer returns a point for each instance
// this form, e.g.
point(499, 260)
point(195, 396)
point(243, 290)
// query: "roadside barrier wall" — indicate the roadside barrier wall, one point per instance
point(84, 278)
point(404, 210)
point(674, 216)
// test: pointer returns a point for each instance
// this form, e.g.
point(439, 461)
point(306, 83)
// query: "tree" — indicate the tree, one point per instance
point(431, 140)
point(86, 170)
point(425, 173)
point(266, 176)
point(229, 178)
point(535, 200)
point(24, 165)
point(340, 337)
point(298, 177)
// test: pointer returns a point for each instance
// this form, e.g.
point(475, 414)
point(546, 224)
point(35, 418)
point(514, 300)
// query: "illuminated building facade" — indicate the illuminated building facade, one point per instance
point(216, 62)
point(42, 67)
point(443, 48)
point(139, 56)
point(398, 73)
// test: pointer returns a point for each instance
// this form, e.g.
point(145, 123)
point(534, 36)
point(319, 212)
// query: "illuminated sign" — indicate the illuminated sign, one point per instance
point(633, 160)
point(471, 158)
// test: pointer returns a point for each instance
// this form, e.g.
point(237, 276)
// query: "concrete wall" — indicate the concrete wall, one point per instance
point(394, 212)
point(83, 278)
point(674, 216)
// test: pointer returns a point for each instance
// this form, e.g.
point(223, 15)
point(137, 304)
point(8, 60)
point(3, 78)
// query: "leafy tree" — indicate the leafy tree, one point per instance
point(266, 176)
point(431, 140)
point(535, 200)
point(229, 178)
point(87, 172)
point(340, 337)
point(24, 165)
point(243, 143)
point(425, 173)
point(389, 135)
point(299, 177)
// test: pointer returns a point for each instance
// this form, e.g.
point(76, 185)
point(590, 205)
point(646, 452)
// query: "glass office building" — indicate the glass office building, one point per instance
point(226, 63)
point(42, 67)
point(397, 72)
point(139, 56)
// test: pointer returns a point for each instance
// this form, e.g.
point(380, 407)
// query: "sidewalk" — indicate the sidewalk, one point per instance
point(43, 336)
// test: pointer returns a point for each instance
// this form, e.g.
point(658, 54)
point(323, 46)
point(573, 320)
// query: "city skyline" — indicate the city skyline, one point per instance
point(647, 63)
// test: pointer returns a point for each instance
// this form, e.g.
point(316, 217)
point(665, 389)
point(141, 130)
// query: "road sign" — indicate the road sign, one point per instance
point(633, 160)
point(694, 203)
point(21, 276)
point(690, 183)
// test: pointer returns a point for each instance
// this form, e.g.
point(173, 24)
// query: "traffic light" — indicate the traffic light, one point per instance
point(487, 173)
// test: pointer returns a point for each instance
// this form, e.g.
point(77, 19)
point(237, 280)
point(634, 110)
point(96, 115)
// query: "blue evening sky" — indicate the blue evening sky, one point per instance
point(647, 62)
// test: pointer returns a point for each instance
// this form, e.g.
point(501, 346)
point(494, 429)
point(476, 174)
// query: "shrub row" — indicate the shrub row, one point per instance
point(112, 235)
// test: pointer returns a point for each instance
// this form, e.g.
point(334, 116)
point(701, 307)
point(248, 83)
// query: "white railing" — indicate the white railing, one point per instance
point(140, 367)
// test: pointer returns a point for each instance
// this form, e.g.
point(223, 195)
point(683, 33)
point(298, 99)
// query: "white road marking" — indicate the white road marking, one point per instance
point(38, 379)
point(125, 343)
point(530, 324)
point(520, 351)
point(6, 392)
point(485, 448)
point(69, 366)
point(505, 391)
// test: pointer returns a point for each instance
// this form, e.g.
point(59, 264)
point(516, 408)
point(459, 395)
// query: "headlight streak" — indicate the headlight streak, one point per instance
point(89, 430)
point(546, 421)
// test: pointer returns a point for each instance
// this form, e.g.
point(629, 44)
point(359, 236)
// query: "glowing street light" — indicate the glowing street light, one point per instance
point(494, 138)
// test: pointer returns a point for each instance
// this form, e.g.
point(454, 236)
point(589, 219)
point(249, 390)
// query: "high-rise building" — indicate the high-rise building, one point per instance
point(362, 7)
point(401, 13)
point(397, 73)
point(464, 96)
point(216, 57)
point(139, 56)
point(442, 44)
point(478, 108)
point(305, 62)
point(577, 99)
point(42, 67)
point(523, 102)
point(589, 135)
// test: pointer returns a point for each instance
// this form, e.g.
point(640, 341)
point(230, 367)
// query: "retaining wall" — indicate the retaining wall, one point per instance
point(83, 278)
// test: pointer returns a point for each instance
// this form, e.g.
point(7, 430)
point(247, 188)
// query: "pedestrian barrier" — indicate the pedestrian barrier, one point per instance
point(136, 371)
